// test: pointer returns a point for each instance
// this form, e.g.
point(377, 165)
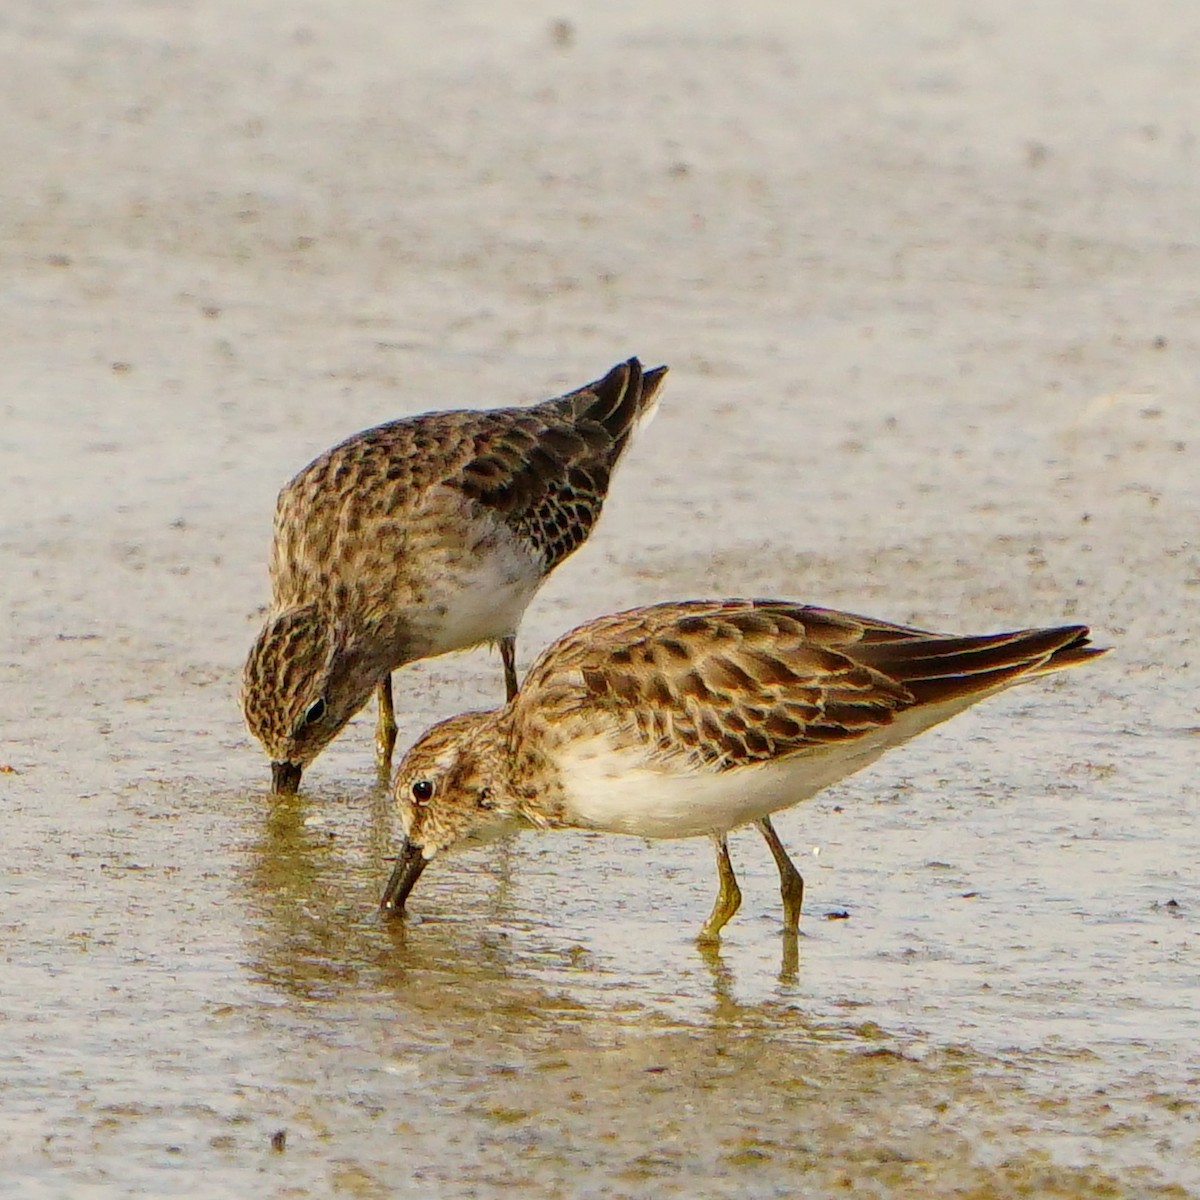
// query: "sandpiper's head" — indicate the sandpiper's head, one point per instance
point(300, 686)
point(449, 794)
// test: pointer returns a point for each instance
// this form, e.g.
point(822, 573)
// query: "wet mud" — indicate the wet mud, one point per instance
point(926, 282)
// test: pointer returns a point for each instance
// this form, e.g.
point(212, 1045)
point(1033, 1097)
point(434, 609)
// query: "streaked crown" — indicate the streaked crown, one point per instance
point(293, 694)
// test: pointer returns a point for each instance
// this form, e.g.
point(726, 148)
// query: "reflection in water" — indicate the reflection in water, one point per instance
point(312, 886)
point(472, 950)
point(726, 1006)
point(541, 999)
point(789, 967)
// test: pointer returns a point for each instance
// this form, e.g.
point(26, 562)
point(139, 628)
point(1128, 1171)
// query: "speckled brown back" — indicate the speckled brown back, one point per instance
point(724, 684)
point(543, 470)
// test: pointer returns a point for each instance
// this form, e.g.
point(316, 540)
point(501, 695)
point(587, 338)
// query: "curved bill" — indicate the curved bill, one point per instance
point(285, 778)
point(410, 862)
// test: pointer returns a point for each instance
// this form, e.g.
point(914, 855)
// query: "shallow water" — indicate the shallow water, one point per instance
point(927, 290)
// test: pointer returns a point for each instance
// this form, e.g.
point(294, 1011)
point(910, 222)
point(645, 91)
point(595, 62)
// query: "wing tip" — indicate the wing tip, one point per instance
point(626, 396)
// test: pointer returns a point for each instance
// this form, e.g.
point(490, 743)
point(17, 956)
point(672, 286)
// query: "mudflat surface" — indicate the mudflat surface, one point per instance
point(926, 278)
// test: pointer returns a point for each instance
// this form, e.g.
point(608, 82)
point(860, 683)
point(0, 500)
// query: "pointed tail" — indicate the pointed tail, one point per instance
point(937, 669)
point(621, 402)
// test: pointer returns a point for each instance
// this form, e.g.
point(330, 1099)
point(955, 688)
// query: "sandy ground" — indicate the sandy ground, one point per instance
point(926, 277)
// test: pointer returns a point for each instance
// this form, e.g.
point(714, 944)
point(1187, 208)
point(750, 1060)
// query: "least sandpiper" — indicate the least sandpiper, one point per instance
point(419, 537)
point(690, 719)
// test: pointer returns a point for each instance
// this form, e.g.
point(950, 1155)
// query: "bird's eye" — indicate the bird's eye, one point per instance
point(315, 711)
point(422, 790)
point(485, 799)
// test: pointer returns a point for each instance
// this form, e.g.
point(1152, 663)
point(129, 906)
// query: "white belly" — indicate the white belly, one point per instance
point(616, 791)
point(481, 600)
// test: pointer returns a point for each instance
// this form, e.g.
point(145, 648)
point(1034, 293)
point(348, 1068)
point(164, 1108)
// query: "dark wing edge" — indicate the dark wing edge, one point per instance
point(617, 403)
point(547, 469)
point(938, 670)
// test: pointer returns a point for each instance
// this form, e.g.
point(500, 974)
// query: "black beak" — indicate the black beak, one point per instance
point(285, 778)
point(410, 862)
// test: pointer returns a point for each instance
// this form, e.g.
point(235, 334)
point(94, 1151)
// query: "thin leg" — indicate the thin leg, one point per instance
point(729, 898)
point(791, 882)
point(385, 727)
point(508, 652)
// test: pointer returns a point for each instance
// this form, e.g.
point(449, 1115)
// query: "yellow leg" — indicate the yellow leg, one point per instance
point(791, 882)
point(385, 727)
point(729, 898)
point(508, 652)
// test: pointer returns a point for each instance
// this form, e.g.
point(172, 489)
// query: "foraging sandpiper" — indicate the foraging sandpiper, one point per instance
point(691, 719)
point(419, 537)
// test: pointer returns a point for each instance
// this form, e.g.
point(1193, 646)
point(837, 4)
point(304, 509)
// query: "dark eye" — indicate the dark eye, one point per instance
point(315, 711)
point(485, 799)
point(422, 790)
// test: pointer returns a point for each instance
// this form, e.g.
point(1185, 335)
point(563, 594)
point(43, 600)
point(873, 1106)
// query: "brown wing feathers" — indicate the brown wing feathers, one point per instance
point(548, 474)
point(939, 669)
point(619, 399)
point(738, 682)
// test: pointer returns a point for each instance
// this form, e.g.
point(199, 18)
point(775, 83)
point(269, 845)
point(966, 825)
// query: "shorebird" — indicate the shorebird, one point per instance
point(690, 719)
point(419, 537)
